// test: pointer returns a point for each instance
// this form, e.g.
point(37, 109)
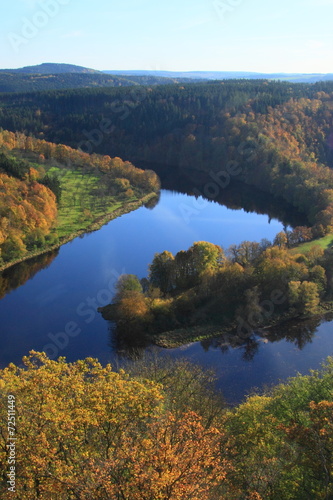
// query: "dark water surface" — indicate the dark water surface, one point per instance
point(51, 302)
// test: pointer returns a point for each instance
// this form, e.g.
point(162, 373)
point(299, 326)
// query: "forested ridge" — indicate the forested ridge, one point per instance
point(279, 134)
point(160, 430)
point(14, 82)
point(50, 191)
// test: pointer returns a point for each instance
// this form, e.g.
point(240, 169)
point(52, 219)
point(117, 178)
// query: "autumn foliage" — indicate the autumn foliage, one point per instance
point(28, 212)
point(29, 197)
point(67, 156)
point(274, 135)
point(86, 432)
point(248, 285)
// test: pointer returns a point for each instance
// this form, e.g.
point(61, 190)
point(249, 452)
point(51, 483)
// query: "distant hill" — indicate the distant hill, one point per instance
point(171, 76)
point(50, 69)
point(53, 76)
point(29, 82)
point(227, 75)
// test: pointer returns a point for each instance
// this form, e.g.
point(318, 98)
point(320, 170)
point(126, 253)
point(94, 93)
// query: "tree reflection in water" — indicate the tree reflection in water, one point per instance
point(18, 275)
point(299, 333)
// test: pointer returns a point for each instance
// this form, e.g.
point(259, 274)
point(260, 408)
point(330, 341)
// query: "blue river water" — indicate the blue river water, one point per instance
point(56, 310)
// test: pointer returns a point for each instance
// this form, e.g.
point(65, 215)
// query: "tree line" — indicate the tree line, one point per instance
point(13, 82)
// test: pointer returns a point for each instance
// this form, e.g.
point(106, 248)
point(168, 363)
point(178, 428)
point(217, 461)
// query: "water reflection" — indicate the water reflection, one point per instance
point(127, 346)
point(18, 275)
point(153, 202)
point(85, 266)
point(297, 332)
point(235, 196)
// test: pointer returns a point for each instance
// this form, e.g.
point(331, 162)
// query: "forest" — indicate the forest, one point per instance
point(50, 192)
point(159, 429)
point(276, 136)
point(15, 82)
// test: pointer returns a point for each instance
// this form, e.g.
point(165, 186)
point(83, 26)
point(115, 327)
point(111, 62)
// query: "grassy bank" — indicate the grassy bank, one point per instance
point(52, 193)
point(324, 243)
point(82, 202)
point(82, 226)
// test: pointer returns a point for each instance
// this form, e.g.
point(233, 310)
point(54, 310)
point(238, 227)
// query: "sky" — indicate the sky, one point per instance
point(291, 36)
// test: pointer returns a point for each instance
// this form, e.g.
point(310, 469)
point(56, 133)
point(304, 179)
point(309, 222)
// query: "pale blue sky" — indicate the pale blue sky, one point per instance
point(220, 35)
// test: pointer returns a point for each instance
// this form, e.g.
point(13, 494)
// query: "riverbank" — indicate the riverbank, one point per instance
point(91, 226)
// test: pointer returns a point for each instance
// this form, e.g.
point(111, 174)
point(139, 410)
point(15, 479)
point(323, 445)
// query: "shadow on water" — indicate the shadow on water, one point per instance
point(18, 275)
point(297, 332)
point(235, 196)
point(125, 344)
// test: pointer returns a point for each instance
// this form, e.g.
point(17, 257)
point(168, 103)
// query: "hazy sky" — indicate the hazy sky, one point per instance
point(221, 35)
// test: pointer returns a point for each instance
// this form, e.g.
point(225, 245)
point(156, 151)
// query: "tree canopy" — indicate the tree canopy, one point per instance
point(161, 431)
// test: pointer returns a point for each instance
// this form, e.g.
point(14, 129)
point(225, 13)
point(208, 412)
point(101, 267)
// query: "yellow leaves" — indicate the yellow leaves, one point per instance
point(82, 427)
point(23, 208)
point(167, 463)
point(69, 413)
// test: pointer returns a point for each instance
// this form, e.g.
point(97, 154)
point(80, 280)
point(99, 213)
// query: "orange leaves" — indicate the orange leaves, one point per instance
point(132, 306)
point(176, 459)
point(87, 431)
point(25, 208)
point(68, 414)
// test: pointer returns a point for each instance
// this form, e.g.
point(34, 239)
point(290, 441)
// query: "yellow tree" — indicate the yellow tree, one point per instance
point(66, 415)
point(177, 459)
point(86, 432)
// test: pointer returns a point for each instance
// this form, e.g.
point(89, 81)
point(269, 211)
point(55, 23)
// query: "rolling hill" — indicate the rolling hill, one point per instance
point(50, 69)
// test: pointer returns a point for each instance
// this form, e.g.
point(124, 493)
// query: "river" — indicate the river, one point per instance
point(51, 303)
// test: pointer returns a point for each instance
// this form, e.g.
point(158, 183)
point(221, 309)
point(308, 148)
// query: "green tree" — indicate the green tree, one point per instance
point(126, 284)
point(51, 180)
point(304, 296)
point(206, 256)
point(251, 312)
point(318, 275)
point(161, 271)
point(13, 248)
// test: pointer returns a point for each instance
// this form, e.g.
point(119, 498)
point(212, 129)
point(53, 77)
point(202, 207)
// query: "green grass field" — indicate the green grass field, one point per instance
point(82, 201)
point(325, 242)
